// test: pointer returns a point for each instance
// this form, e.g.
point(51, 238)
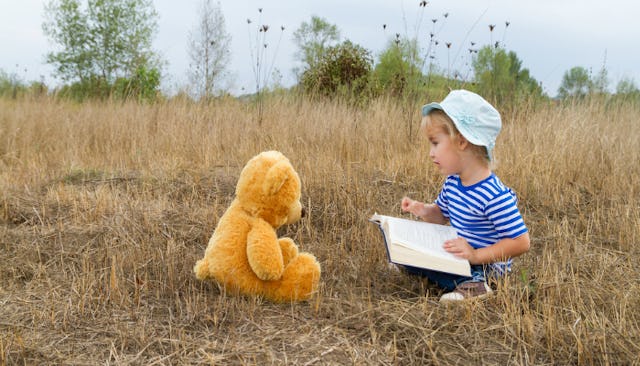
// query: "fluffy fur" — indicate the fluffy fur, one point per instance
point(244, 254)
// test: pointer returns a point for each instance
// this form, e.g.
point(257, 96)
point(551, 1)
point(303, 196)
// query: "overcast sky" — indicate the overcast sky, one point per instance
point(549, 36)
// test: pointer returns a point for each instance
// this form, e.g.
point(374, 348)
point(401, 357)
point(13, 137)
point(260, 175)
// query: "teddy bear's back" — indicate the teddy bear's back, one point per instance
point(227, 252)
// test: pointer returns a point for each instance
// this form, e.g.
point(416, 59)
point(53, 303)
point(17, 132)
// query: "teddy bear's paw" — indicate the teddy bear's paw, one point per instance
point(289, 250)
point(299, 281)
point(201, 269)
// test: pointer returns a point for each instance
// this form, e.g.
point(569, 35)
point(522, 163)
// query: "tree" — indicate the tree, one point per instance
point(312, 40)
point(68, 26)
point(627, 86)
point(208, 50)
point(499, 76)
point(102, 42)
point(398, 66)
point(627, 90)
point(576, 83)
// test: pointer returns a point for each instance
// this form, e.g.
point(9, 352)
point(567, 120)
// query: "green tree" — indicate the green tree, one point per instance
point(397, 69)
point(67, 26)
point(500, 77)
point(627, 86)
point(312, 40)
point(575, 83)
point(100, 42)
point(627, 90)
point(208, 50)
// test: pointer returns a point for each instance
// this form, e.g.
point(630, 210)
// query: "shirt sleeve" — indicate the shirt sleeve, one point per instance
point(443, 202)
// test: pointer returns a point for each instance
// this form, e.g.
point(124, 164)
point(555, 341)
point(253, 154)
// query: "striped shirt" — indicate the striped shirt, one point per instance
point(482, 213)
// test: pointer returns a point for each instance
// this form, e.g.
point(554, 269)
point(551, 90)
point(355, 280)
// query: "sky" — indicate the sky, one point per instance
point(548, 36)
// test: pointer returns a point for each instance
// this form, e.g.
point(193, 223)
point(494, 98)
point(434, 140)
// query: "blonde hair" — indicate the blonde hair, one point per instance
point(438, 120)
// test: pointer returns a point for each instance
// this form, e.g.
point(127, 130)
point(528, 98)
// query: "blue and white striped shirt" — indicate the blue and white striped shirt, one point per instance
point(482, 213)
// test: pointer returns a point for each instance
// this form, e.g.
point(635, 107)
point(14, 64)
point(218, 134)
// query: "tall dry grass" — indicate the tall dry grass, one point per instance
point(104, 208)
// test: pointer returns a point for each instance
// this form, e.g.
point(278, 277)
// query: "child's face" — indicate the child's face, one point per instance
point(443, 151)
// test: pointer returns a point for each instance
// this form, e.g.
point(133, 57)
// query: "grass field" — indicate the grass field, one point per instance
point(105, 207)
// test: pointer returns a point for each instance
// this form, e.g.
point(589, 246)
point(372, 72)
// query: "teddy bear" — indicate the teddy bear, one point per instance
point(244, 254)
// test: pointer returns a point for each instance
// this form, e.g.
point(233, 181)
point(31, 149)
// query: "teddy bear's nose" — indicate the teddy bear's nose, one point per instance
point(303, 212)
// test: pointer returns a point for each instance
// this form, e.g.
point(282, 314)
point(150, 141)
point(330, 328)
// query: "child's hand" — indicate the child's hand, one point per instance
point(412, 206)
point(426, 212)
point(460, 248)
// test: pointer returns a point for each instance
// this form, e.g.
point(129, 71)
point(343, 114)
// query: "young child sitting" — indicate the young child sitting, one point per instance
point(462, 131)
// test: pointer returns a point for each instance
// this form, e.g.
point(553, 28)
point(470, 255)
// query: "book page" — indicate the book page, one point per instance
point(420, 236)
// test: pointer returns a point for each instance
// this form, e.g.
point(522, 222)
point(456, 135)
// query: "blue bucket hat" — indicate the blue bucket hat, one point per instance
point(476, 119)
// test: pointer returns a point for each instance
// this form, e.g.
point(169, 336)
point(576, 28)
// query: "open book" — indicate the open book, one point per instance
point(419, 244)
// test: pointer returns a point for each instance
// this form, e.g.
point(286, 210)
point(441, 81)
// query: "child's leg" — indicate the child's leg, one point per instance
point(479, 273)
point(446, 281)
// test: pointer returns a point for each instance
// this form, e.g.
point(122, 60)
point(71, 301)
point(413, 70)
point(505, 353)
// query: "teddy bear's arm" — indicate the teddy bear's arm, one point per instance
point(264, 252)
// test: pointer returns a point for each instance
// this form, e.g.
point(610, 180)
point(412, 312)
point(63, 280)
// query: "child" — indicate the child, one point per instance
point(462, 130)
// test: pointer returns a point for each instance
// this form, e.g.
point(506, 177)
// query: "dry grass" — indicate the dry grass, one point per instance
point(104, 208)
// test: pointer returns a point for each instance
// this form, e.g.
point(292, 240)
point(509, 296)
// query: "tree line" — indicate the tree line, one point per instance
point(104, 50)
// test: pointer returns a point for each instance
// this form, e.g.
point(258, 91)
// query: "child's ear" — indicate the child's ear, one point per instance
point(462, 141)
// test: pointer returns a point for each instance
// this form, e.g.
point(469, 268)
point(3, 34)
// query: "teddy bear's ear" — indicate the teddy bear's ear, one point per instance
point(275, 178)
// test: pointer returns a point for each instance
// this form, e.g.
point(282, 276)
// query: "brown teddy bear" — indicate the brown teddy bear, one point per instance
point(244, 254)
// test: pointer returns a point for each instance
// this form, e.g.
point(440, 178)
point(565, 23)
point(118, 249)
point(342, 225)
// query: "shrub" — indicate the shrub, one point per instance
point(344, 68)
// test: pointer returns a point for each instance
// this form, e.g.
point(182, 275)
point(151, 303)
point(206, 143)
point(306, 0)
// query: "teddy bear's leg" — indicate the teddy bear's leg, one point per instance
point(289, 250)
point(299, 280)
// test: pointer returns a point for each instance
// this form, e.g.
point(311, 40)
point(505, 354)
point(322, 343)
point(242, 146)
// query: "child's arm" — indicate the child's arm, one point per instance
point(500, 251)
point(429, 213)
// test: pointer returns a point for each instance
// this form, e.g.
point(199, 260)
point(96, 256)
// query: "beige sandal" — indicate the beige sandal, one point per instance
point(467, 290)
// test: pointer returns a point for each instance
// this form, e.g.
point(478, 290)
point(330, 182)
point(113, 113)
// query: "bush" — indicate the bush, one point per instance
point(143, 86)
point(10, 85)
point(344, 68)
point(92, 88)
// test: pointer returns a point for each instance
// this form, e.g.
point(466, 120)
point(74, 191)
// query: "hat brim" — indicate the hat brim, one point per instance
point(427, 108)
